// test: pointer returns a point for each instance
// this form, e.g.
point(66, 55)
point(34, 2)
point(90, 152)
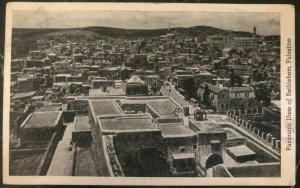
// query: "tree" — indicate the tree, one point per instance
point(156, 88)
point(206, 96)
point(262, 94)
point(235, 80)
point(189, 86)
point(84, 75)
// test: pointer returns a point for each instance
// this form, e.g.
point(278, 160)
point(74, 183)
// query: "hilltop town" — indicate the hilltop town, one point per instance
point(175, 102)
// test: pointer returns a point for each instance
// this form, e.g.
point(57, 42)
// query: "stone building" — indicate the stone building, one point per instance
point(135, 86)
point(40, 126)
point(224, 98)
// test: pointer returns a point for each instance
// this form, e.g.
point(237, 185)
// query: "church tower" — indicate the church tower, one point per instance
point(254, 36)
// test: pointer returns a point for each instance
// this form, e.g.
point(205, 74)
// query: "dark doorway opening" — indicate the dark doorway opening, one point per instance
point(213, 160)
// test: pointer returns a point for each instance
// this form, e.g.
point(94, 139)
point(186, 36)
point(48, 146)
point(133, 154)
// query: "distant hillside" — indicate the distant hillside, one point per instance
point(131, 33)
point(27, 39)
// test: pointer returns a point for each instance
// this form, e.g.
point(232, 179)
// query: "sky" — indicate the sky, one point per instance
point(266, 23)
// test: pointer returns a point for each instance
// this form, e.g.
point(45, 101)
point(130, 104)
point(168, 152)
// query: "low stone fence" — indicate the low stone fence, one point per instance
point(47, 158)
point(113, 159)
point(73, 160)
point(266, 137)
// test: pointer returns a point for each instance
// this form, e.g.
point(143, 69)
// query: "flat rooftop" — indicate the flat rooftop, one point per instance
point(240, 150)
point(82, 123)
point(175, 130)
point(48, 108)
point(105, 107)
point(207, 126)
point(23, 95)
point(164, 107)
point(41, 120)
point(124, 123)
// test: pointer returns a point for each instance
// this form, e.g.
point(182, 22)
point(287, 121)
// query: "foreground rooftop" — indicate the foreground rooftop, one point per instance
point(41, 120)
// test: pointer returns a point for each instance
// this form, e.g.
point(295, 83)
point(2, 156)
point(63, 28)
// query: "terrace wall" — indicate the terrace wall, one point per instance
point(256, 170)
point(264, 154)
point(139, 154)
point(260, 134)
point(126, 143)
point(179, 145)
point(220, 171)
point(47, 158)
point(235, 141)
point(98, 147)
point(133, 107)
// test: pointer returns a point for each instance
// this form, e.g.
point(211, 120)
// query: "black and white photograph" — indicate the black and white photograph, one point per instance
point(149, 92)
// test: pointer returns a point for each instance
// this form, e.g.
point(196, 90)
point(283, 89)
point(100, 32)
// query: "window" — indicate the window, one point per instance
point(246, 94)
point(236, 95)
point(215, 147)
point(222, 106)
point(223, 96)
point(182, 149)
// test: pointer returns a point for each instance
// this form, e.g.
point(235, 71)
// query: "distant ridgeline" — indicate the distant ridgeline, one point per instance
point(27, 39)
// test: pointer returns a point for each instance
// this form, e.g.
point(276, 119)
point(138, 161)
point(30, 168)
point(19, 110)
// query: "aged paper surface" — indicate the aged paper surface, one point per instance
point(149, 94)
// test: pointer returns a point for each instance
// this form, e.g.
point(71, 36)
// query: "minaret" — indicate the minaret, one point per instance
point(254, 37)
point(254, 34)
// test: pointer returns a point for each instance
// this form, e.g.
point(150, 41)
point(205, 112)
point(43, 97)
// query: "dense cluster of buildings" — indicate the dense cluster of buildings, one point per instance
point(118, 107)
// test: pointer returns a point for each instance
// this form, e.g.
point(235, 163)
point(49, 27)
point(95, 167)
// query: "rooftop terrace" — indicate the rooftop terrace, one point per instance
point(41, 120)
point(164, 107)
point(206, 126)
point(82, 123)
point(175, 130)
point(124, 123)
point(105, 107)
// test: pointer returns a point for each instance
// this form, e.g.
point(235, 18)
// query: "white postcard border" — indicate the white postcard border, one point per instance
point(287, 24)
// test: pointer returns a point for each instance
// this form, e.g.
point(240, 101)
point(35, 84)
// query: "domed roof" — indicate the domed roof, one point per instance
point(135, 80)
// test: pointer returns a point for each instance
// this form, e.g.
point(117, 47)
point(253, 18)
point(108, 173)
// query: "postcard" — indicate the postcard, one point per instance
point(149, 94)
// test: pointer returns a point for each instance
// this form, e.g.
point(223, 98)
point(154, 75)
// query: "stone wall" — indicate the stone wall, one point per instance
point(133, 107)
point(265, 137)
point(178, 145)
point(125, 143)
point(256, 170)
point(220, 171)
point(111, 158)
point(235, 142)
point(98, 147)
point(47, 158)
point(153, 113)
